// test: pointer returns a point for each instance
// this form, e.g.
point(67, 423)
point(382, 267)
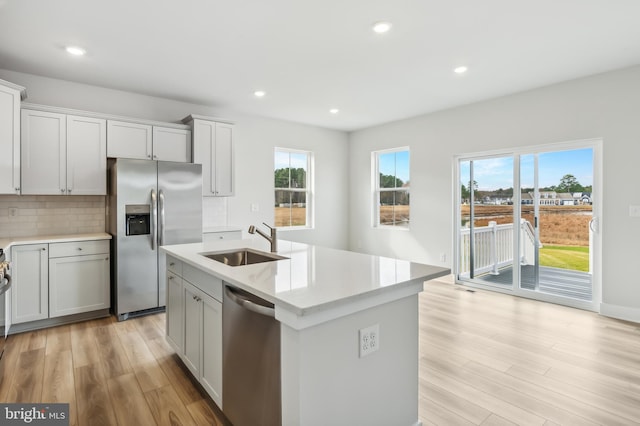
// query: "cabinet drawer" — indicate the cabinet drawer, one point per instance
point(205, 282)
point(78, 248)
point(174, 265)
point(223, 235)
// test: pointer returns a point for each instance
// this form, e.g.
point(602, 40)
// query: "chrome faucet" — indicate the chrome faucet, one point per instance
point(272, 239)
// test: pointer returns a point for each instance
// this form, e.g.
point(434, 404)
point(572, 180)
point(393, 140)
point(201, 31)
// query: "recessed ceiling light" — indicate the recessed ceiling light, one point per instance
point(334, 110)
point(381, 27)
point(460, 70)
point(259, 93)
point(75, 50)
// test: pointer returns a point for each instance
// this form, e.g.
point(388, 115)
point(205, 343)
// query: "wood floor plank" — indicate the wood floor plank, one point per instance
point(150, 376)
point(148, 328)
point(434, 413)
point(34, 340)
point(92, 396)
point(129, 403)
point(58, 384)
point(135, 348)
point(58, 339)
point(11, 358)
point(494, 420)
point(160, 348)
point(180, 378)
point(112, 355)
point(26, 384)
point(203, 414)
point(167, 408)
point(83, 346)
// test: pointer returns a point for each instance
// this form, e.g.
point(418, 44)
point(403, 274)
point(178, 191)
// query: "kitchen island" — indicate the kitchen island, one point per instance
point(324, 299)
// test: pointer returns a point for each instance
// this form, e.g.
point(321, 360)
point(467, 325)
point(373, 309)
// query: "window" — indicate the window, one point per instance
point(391, 187)
point(292, 188)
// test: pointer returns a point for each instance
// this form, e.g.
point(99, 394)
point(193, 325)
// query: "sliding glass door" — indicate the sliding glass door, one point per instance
point(539, 240)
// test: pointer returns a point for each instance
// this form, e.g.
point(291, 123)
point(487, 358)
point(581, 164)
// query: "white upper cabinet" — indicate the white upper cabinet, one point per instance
point(86, 156)
point(171, 144)
point(10, 96)
point(213, 148)
point(62, 154)
point(44, 153)
point(147, 142)
point(129, 140)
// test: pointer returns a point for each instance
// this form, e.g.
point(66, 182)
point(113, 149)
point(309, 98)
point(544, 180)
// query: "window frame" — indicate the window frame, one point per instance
point(308, 190)
point(376, 190)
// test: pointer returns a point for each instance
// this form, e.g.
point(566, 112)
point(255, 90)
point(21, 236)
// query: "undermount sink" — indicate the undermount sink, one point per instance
point(242, 257)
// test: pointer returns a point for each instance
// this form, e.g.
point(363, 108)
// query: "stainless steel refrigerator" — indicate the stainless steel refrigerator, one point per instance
point(150, 204)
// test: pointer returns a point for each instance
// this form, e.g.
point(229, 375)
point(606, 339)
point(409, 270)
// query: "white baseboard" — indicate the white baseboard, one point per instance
point(620, 312)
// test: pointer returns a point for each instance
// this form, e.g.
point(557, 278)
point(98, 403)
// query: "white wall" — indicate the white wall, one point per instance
point(255, 141)
point(606, 105)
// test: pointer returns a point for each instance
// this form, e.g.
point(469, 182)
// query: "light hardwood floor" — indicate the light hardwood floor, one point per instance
point(493, 359)
point(110, 373)
point(485, 359)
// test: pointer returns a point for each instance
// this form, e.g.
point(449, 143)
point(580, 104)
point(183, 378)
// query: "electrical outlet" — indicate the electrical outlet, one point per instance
point(443, 257)
point(369, 340)
point(255, 207)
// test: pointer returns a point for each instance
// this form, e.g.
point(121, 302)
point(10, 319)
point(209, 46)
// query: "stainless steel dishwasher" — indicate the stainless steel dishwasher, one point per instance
point(251, 360)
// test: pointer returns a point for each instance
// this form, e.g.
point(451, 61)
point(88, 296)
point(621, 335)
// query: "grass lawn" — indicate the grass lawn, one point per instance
point(566, 257)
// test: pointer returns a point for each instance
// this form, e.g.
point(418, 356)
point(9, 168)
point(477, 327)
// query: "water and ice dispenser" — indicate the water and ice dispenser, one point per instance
point(138, 219)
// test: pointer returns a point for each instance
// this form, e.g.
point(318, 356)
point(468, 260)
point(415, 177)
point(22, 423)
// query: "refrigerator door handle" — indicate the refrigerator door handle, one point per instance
point(161, 209)
point(154, 219)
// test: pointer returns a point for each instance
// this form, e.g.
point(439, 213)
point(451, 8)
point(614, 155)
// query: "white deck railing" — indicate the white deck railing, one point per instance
point(493, 247)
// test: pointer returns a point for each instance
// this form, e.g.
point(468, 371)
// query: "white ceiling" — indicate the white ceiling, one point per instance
point(310, 56)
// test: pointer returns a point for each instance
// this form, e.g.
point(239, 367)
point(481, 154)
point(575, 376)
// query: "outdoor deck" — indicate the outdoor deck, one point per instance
point(555, 281)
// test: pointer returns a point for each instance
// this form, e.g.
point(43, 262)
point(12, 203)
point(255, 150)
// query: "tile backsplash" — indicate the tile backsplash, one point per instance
point(214, 211)
point(39, 215)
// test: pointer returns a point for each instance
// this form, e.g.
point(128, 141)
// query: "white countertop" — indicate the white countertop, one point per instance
point(5, 243)
point(313, 278)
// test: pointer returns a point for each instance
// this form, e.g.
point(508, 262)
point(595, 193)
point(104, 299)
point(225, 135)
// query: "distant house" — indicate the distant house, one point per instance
point(582, 198)
point(550, 198)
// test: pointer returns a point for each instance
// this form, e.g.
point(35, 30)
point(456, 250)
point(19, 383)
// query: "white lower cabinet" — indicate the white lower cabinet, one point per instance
point(175, 312)
point(79, 281)
point(194, 327)
point(58, 279)
point(30, 289)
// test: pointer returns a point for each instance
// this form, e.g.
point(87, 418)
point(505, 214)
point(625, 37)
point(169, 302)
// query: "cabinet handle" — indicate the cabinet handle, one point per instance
point(170, 278)
point(43, 249)
point(18, 189)
point(69, 191)
point(62, 190)
point(148, 155)
point(172, 264)
point(106, 258)
point(195, 298)
point(79, 248)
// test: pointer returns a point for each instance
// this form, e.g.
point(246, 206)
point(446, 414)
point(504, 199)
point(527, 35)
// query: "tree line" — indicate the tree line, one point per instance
point(568, 183)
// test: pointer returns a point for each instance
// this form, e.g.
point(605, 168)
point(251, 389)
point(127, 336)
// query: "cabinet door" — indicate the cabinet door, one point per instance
point(44, 153)
point(171, 144)
point(203, 145)
point(175, 313)
point(192, 328)
point(78, 284)
point(129, 140)
point(9, 140)
point(211, 374)
point(30, 289)
point(224, 160)
point(86, 156)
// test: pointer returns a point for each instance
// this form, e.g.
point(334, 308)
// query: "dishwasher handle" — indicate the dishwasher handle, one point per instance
point(248, 304)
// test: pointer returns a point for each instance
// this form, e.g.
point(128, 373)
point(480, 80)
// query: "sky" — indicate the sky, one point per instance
point(395, 163)
point(495, 173)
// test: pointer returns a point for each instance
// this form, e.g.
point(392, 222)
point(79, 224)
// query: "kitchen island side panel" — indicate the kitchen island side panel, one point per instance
point(324, 381)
